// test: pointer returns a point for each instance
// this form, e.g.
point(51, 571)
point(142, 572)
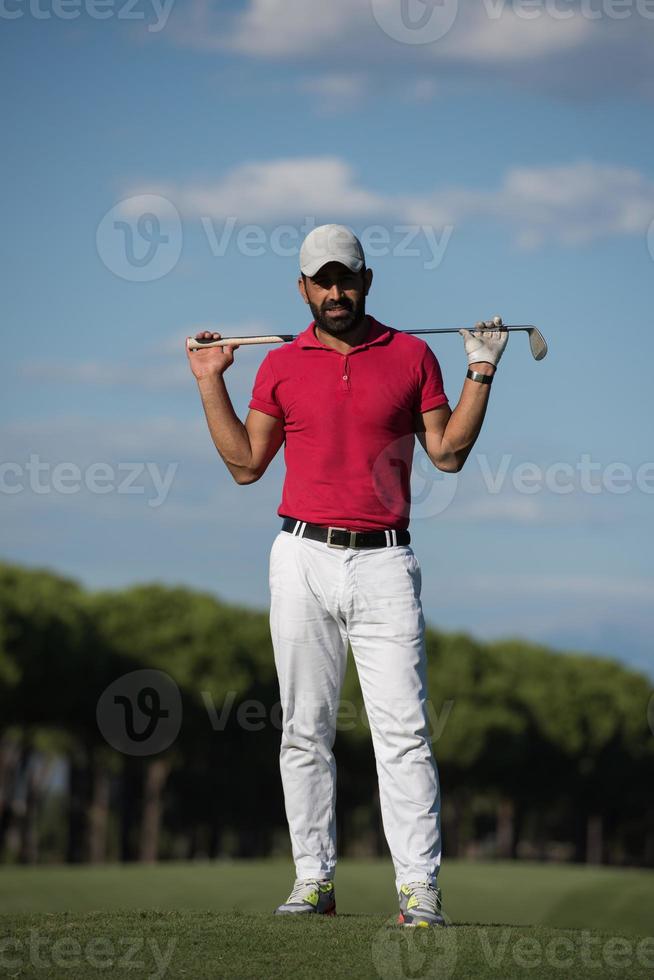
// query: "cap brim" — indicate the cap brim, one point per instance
point(314, 265)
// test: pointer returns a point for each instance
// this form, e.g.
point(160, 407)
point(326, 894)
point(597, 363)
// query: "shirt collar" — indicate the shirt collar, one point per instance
point(377, 334)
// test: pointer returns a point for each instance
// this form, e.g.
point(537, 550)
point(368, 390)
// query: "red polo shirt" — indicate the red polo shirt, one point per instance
point(349, 424)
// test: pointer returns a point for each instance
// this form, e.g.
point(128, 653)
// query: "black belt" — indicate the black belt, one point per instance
point(342, 537)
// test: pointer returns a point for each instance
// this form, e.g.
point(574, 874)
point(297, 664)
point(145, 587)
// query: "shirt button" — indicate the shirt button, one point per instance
point(345, 377)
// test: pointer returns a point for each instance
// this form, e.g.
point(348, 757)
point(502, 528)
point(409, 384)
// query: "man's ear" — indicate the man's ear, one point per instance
point(303, 290)
point(367, 280)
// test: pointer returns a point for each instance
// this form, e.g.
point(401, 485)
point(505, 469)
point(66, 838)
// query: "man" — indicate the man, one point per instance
point(348, 397)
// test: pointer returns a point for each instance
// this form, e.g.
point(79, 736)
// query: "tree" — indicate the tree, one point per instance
point(43, 646)
point(211, 652)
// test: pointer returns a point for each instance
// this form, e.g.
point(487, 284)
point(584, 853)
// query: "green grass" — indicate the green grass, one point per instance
point(231, 945)
point(213, 920)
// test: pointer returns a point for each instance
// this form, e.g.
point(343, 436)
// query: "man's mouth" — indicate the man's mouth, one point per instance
point(337, 312)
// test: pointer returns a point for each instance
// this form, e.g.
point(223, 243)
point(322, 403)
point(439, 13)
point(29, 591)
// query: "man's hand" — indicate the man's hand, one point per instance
point(214, 361)
point(487, 346)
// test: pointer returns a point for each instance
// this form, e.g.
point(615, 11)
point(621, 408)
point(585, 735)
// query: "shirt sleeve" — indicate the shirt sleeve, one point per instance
point(264, 393)
point(430, 383)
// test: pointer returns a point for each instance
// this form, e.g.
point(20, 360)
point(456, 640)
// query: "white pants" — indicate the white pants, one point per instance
point(320, 597)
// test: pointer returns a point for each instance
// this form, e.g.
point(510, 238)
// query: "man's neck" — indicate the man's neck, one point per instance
point(346, 342)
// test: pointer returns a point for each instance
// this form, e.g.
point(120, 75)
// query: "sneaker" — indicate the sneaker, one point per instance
point(420, 905)
point(310, 896)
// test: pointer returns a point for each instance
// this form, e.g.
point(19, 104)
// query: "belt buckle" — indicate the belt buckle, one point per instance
point(347, 531)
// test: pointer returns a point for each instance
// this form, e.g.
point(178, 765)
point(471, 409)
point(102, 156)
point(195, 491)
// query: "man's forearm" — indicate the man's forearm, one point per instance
point(229, 435)
point(466, 420)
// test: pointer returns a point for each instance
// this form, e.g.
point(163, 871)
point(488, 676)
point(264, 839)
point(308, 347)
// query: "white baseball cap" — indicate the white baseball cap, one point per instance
point(331, 243)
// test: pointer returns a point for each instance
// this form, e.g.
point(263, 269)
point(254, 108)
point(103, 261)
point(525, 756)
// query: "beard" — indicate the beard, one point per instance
point(343, 325)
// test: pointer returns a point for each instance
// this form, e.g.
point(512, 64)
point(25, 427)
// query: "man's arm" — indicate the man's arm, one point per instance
point(246, 449)
point(448, 436)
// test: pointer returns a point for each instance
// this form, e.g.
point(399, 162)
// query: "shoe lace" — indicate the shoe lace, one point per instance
point(301, 889)
point(428, 896)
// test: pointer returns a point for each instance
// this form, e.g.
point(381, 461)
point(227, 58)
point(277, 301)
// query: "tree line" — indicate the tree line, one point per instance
point(541, 754)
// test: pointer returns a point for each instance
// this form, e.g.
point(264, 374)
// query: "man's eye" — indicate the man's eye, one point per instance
point(345, 283)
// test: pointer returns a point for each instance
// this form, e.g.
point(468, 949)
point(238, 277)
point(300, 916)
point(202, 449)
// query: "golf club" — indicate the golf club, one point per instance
point(537, 342)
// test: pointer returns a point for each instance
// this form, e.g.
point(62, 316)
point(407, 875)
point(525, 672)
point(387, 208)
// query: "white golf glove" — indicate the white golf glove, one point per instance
point(487, 345)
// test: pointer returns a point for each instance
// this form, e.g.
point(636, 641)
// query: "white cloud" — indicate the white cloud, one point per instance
point(574, 203)
point(271, 28)
point(334, 87)
point(512, 510)
point(570, 204)
point(486, 32)
point(80, 439)
point(283, 189)
point(422, 89)
point(151, 377)
point(557, 47)
point(510, 37)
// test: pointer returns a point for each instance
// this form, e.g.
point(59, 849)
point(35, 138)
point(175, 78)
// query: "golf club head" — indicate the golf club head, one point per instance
point(537, 343)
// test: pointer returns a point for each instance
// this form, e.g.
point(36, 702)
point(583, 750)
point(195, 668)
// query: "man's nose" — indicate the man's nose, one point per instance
point(335, 291)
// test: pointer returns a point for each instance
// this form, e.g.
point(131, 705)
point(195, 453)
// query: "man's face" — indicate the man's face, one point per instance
point(337, 297)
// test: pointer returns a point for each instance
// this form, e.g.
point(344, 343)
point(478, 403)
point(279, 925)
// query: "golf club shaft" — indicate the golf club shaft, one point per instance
point(286, 338)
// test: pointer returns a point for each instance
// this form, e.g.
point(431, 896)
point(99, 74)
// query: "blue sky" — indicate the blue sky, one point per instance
point(521, 146)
